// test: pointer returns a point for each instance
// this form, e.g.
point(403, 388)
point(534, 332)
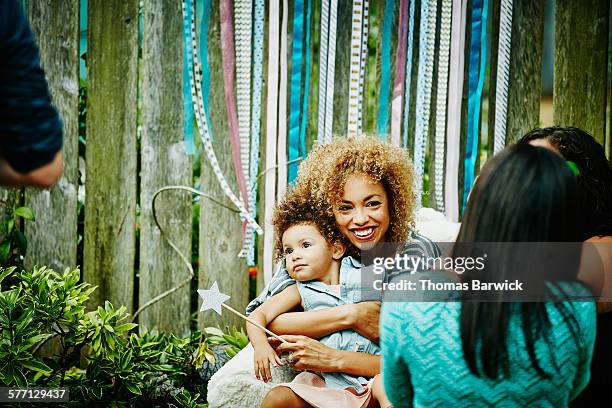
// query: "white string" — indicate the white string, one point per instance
point(503, 74)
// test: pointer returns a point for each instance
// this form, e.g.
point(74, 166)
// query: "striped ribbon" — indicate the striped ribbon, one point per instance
point(503, 74)
point(385, 75)
point(478, 51)
point(408, 71)
point(271, 136)
point(425, 73)
point(229, 60)
point(243, 16)
point(258, 46)
point(400, 72)
point(443, 60)
point(196, 92)
point(303, 126)
point(364, 57)
point(296, 88)
point(359, 36)
point(327, 66)
point(282, 108)
point(187, 103)
point(455, 92)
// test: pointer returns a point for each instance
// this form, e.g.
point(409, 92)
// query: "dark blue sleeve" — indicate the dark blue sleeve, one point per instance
point(31, 131)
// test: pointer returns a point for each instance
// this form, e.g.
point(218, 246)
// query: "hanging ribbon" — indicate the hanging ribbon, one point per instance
point(455, 92)
point(282, 108)
point(187, 103)
point(478, 51)
point(196, 92)
point(503, 74)
point(229, 60)
point(271, 136)
point(408, 71)
point(258, 46)
point(385, 76)
point(425, 73)
point(327, 70)
point(206, 7)
point(243, 14)
point(306, 85)
point(400, 72)
point(364, 57)
point(296, 88)
point(443, 59)
point(358, 21)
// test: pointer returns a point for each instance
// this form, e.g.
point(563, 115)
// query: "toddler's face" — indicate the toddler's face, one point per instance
point(307, 254)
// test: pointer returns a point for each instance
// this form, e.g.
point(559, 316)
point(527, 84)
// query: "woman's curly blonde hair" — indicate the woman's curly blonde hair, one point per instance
point(297, 208)
point(325, 171)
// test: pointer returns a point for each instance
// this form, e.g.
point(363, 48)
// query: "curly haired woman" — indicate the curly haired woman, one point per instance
point(365, 186)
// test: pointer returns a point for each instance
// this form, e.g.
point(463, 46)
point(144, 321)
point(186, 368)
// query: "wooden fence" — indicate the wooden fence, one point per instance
point(134, 136)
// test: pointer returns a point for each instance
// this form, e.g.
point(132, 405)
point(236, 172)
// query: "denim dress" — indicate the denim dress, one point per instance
point(317, 295)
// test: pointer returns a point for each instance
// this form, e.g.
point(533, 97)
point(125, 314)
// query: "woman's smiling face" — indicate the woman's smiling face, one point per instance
point(362, 213)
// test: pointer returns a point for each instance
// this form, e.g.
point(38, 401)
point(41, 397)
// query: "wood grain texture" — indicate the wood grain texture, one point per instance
point(52, 239)
point(110, 204)
point(581, 57)
point(342, 68)
point(164, 161)
point(220, 228)
point(524, 83)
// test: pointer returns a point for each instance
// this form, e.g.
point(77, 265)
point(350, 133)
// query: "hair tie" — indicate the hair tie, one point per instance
point(573, 167)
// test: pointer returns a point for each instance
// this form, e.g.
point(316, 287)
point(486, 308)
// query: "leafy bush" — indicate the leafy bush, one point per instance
point(100, 359)
point(13, 244)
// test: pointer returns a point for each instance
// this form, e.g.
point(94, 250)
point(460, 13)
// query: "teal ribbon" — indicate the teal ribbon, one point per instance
point(187, 102)
point(296, 88)
point(206, 7)
point(478, 50)
point(306, 85)
point(385, 77)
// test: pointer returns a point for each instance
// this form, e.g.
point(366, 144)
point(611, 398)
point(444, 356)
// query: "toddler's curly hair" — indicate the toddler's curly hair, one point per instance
point(298, 208)
point(326, 170)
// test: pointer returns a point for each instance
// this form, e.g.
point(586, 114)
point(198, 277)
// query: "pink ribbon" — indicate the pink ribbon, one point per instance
point(229, 61)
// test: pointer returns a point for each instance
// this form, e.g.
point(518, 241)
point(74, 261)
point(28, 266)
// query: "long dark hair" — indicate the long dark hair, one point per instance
point(594, 180)
point(524, 194)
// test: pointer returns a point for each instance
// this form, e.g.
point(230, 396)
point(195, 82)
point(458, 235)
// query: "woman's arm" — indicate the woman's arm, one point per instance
point(309, 354)
point(361, 317)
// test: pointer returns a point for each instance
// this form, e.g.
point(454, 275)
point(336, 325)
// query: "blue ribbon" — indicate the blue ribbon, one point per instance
point(306, 84)
point(408, 78)
point(385, 77)
point(206, 7)
point(296, 88)
point(478, 50)
point(187, 102)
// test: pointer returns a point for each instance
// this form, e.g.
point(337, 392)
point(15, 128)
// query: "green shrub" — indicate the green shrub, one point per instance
point(101, 359)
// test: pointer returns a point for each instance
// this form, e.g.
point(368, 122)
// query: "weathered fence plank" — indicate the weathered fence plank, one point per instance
point(581, 57)
point(220, 228)
point(163, 162)
point(52, 239)
point(524, 84)
point(342, 68)
point(110, 204)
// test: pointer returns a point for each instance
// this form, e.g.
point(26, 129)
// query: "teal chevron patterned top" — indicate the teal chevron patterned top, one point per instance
point(423, 363)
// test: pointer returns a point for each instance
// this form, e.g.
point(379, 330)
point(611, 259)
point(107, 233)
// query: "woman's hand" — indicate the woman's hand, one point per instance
point(364, 319)
point(306, 353)
point(264, 357)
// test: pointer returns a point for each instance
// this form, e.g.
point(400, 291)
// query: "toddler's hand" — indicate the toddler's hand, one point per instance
point(264, 357)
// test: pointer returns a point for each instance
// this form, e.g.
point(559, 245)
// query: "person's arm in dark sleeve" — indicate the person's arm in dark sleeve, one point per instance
point(31, 131)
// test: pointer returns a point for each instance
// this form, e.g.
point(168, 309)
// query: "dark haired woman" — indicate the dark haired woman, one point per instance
point(595, 198)
point(471, 353)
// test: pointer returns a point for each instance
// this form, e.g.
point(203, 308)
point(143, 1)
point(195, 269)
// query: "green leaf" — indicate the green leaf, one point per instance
point(36, 365)
point(25, 212)
point(10, 224)
point(22, 242)
point(5, 249)
point(214, 331)
point(5, 272)
point(109, 328)
point(134, 389)
point(125, 327)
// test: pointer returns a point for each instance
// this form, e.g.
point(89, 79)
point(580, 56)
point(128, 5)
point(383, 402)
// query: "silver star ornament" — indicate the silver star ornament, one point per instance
point(212, 298)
